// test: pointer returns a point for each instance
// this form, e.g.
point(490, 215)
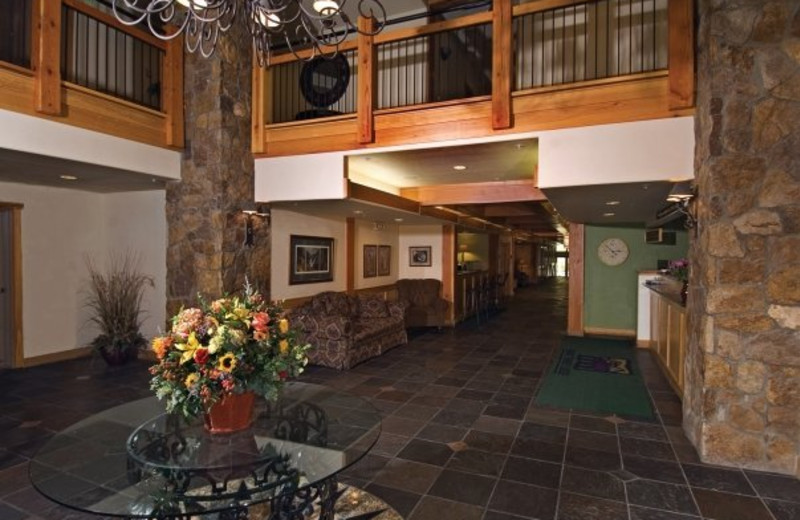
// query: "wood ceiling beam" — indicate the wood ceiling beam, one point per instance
point(474, 193)
point(512, 210)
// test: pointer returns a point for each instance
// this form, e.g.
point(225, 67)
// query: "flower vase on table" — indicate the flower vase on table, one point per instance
point(218, 357)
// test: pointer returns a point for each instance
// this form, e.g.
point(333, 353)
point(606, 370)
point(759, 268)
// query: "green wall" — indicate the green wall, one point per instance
point(610, 293)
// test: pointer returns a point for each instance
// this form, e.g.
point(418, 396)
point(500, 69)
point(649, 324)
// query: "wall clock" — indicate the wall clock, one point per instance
point(613, 251)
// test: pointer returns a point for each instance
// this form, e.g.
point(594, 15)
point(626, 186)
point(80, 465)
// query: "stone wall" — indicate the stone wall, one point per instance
point(742, 403)
point(205, 251)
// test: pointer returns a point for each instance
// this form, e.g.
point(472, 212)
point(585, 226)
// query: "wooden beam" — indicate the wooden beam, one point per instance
point(350, 254)
point(111, 21)
point(449, 271)
point(681, 54)
point(502, 64)
point(543, 5)
point(474, 193)
point(437, 213)
point(15, 297)
point(367, 80)
point(576, 267)
point(261, 105)
point(46, 56)
point(172, 100)
point(382, 198)
point(435, 27)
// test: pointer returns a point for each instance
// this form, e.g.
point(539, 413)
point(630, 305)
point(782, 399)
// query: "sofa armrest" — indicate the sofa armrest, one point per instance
point(441, 305)
point(397, 309)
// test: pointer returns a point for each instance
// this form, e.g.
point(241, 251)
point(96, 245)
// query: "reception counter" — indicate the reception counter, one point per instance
point(668, 334)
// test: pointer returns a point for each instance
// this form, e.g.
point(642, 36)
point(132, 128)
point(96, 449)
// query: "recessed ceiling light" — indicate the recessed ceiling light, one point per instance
point(68, 177)
point(459, 167)
point(358, 212)
point(520, 146)
point(609, 214)
point(612, 203)
point(398, 220)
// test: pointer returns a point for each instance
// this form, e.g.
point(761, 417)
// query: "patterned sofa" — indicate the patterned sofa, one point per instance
point(345, 330)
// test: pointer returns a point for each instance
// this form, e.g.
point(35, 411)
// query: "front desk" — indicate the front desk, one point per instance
point(668, 333)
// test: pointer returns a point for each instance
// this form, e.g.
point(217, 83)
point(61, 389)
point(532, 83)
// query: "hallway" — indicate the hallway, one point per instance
point(461, 438)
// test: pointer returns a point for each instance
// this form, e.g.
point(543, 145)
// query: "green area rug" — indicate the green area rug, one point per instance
point(596, 375)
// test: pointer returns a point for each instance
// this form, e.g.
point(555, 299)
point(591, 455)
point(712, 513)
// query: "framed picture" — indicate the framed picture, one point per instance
point(419, 256)
point(370, 261)
point(311, 259)
point(384, 260)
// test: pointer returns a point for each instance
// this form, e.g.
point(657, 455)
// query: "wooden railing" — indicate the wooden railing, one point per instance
point(538, 65)
point(80, 66)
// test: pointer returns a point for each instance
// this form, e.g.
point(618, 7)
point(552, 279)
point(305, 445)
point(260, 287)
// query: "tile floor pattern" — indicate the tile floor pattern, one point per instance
point(461, 438)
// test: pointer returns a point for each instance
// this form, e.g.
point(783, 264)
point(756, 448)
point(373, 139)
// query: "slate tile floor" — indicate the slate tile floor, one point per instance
point(461, 437)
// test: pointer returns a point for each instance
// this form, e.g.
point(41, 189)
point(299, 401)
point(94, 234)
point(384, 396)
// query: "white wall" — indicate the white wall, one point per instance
point(420, 236)
point(39, 136)
point(60, 228)
point(660, 149)
point(366, 234)
point(136, 222)
point(286, 223)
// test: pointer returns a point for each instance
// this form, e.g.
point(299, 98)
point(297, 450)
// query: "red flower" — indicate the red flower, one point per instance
point(201, 356)
point(283, 374)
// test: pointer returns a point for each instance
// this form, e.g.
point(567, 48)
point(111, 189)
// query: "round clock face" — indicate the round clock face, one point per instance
point(613, 251)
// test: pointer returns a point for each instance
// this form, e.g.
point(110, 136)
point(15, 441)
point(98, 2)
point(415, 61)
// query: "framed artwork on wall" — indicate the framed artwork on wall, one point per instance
point(370, 261)
point(419, 256)
point(384, 260)
point(311, 259)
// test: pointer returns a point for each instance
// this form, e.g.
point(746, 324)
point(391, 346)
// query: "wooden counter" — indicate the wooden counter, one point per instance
point(668, 331)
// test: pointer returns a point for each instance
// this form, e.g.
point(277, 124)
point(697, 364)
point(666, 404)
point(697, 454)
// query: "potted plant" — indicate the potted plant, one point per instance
point(217, 357)
point(115, 299)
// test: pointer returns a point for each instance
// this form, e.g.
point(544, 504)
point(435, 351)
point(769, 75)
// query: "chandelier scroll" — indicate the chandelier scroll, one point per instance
point(318, 26)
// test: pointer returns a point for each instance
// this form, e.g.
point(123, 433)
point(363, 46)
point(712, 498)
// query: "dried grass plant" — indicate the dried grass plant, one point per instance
point(115, 299)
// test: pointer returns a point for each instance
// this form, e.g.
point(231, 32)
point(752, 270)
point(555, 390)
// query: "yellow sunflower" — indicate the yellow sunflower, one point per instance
point(227, 362)
point(191, 380)
point(283, 326)
point(283, 346)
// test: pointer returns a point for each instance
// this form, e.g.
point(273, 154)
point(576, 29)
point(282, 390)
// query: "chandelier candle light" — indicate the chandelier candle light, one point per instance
point(319, 25)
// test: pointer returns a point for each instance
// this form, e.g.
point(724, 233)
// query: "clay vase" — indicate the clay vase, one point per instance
point(232, 413)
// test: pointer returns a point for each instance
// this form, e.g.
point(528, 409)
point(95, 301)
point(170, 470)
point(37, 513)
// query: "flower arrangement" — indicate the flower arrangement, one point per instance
point(679, 269)
point(229, 346)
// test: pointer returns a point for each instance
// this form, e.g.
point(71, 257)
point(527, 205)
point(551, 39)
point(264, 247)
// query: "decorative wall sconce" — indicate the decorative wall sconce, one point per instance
point(682, 194)
point(250, 214)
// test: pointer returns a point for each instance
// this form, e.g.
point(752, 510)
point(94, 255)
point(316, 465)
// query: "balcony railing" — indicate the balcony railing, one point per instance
point(15, 33)
point(496, 62)
point(87, 69)
point(103, 58)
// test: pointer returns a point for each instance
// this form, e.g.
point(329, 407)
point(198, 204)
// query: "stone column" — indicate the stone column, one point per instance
point(743, 369)
point(206, 228)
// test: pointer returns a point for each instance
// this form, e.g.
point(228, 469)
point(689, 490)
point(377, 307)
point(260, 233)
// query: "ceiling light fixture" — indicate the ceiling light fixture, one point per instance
point(609, 214)
point(612, 203)
point(459, 167)
point(321, 25)
point(68, 177)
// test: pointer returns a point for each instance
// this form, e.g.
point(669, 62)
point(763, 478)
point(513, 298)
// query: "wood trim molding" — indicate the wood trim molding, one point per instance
point(367, 80)
point(576, 277)
point(57, 356)
point(432, 28)
point(474, 193)
point(172, 104)
point(46, 57)
point(448, 270)
point(604, 331)
point(16, 285)
point(543, 5)
point(261, 106)
point(350, 254)
point(502, 64)
point(681, 53)
point(373, 196)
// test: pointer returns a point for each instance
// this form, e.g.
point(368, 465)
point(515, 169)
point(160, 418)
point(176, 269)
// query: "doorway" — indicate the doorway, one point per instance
point(10, 286)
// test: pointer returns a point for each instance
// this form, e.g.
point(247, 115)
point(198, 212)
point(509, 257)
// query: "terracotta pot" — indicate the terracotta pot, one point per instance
point(232, 413)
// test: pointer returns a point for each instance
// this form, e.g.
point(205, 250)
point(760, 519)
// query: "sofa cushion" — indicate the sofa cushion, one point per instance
point(371, 328)
point(334, 304)
point(372, 307)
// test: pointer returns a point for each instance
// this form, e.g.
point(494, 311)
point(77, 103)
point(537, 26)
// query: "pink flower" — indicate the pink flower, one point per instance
point(260, 321)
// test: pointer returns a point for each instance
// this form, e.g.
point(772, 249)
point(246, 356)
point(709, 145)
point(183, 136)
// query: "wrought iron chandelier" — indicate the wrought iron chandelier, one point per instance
point(319, 25)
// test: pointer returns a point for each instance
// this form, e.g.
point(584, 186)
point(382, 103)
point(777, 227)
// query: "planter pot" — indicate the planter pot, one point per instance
point(117, 356)
point(232, 413)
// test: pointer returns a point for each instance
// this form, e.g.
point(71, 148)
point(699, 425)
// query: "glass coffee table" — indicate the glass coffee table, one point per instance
point(135, 461)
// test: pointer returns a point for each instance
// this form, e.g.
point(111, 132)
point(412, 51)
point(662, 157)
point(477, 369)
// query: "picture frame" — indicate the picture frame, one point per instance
point(370, 261)
point(384, 260)
point(419, 256)
point(311, 259)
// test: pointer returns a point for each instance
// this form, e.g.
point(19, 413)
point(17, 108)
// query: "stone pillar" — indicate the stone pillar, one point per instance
point(743, 369)
point(206, 228)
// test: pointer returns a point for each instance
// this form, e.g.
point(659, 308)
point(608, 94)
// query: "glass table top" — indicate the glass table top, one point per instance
point(135, 461)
